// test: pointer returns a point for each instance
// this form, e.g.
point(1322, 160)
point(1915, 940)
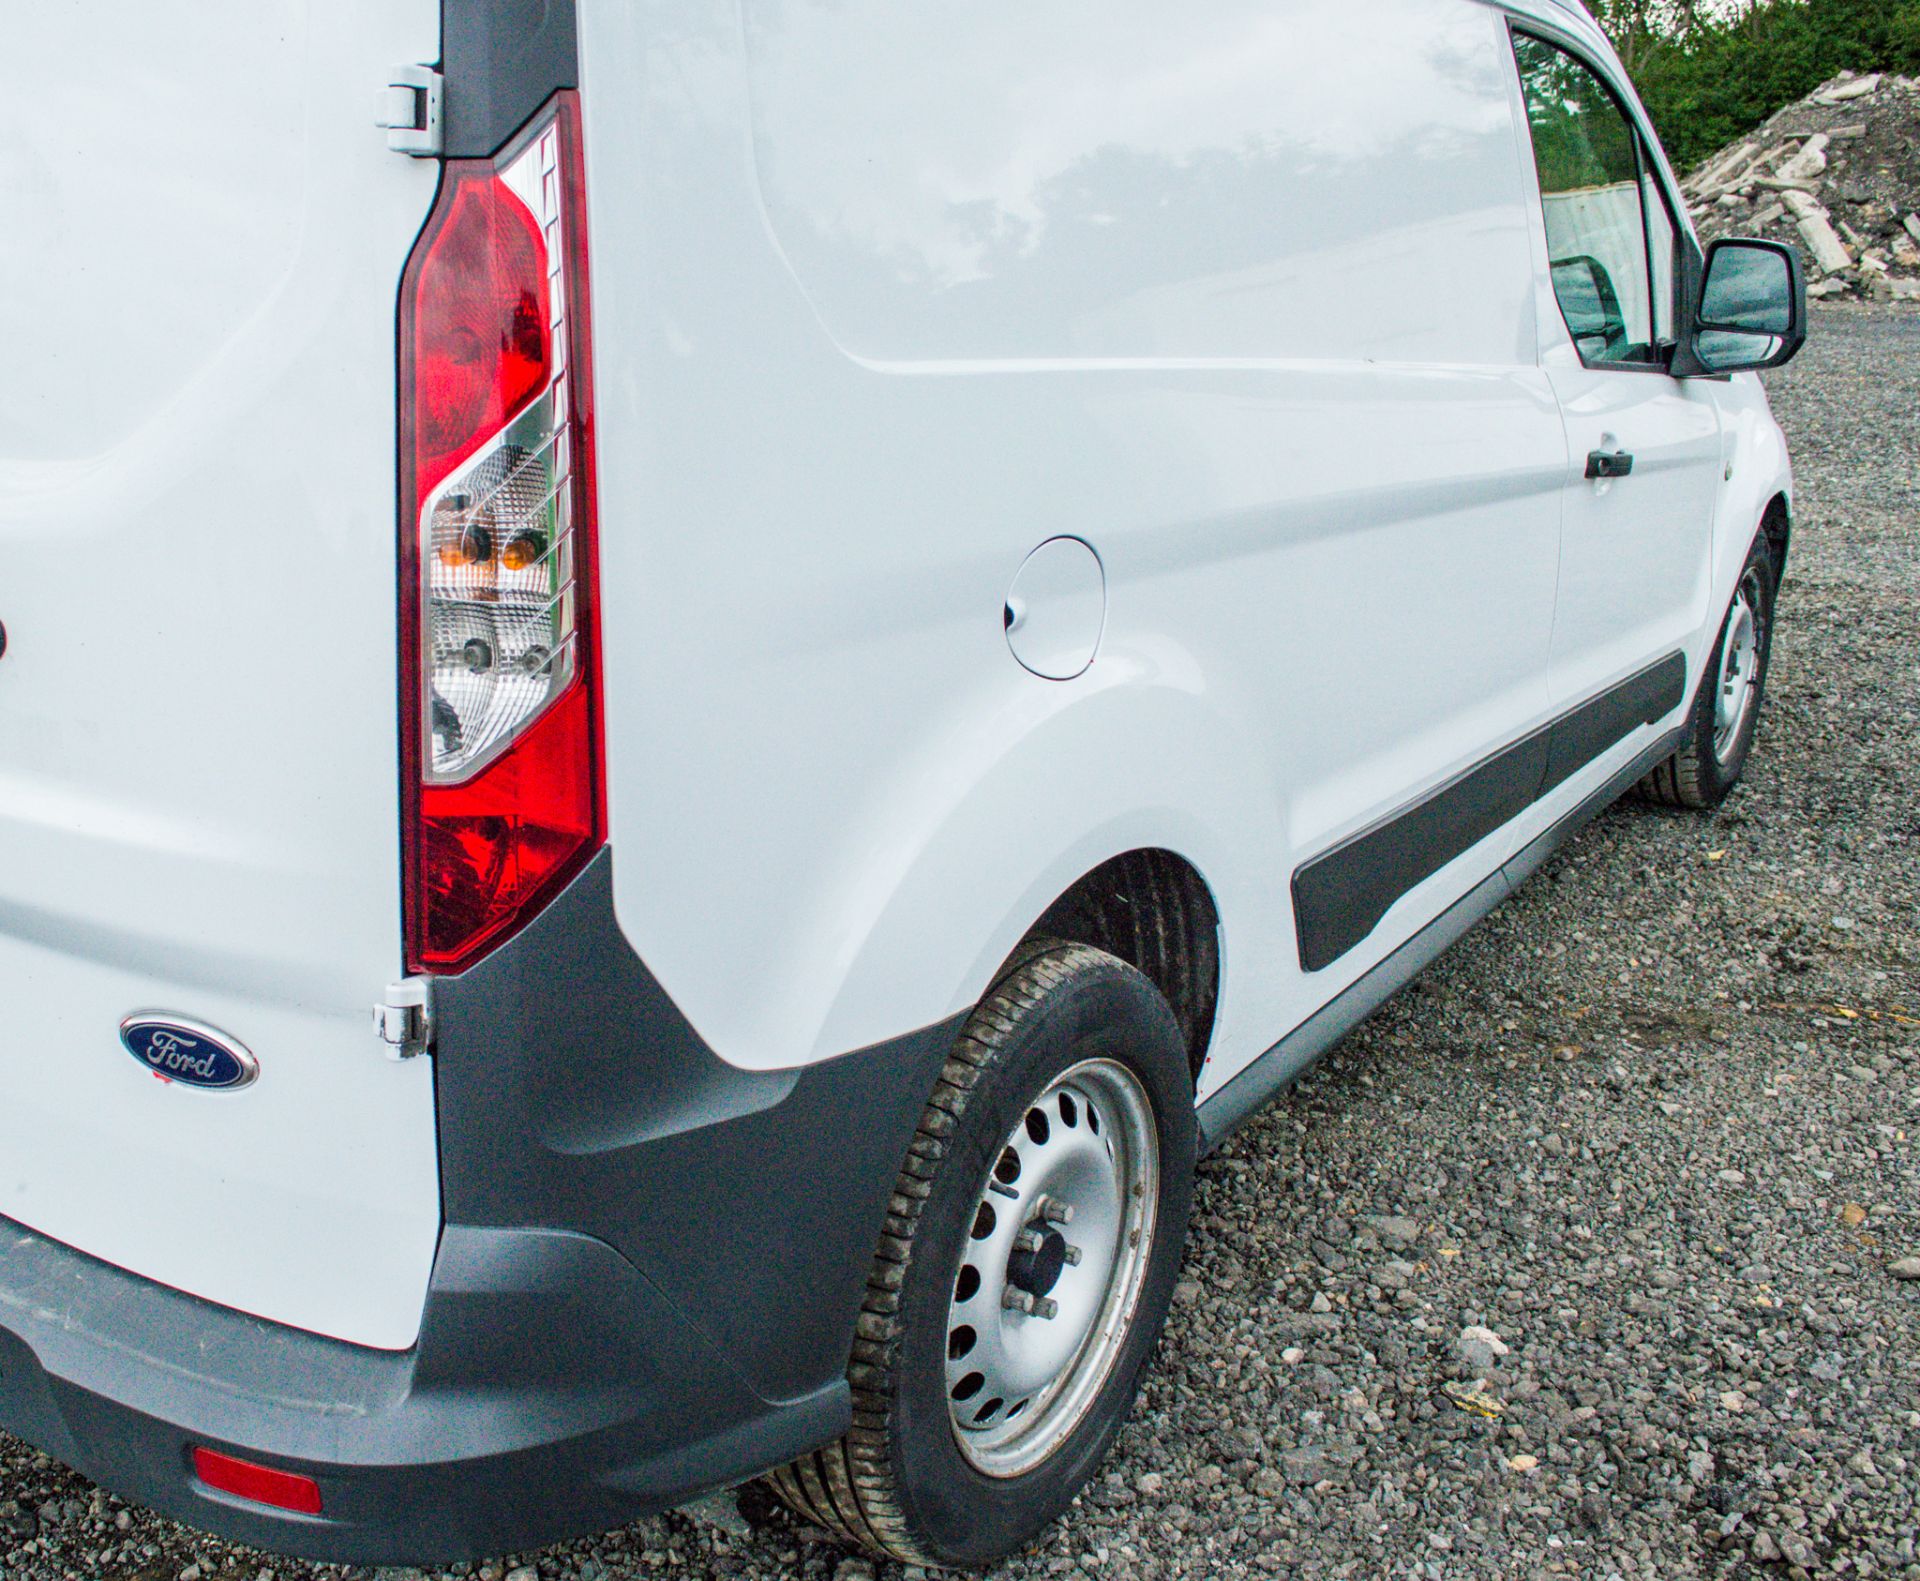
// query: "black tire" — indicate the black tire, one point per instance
point(1702, 772)
point(898, 1483)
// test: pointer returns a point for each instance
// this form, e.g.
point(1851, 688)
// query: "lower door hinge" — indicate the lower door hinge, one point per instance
point(403, 1020)
point(410, 110)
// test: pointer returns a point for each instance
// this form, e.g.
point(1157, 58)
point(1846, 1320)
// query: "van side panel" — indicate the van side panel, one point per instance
point(204, 232)
point(1235, 181)
point(904, 293)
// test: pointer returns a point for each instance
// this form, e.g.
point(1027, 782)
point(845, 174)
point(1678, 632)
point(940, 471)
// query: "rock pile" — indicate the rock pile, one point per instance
point(1838, 176)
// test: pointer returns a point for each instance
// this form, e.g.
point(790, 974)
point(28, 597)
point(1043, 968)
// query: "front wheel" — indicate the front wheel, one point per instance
point(1726, 710)
point(1031, 1247)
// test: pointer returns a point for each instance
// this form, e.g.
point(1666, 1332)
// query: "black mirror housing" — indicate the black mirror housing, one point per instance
point(1749, 313)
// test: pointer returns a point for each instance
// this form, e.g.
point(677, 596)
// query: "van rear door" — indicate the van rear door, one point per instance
point(203, 240)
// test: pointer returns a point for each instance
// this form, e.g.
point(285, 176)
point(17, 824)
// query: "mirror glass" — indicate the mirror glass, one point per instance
point(1747, 288)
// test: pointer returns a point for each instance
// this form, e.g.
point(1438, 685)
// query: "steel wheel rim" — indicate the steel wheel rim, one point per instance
point(1078, 1174)
point(1739, 670)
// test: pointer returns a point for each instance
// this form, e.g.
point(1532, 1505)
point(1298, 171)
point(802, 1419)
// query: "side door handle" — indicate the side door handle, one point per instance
point(1609, 464)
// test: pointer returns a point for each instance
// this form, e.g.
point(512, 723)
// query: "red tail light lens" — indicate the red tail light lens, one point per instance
point(500, 707)
point(284, 1490)
point(482, 322)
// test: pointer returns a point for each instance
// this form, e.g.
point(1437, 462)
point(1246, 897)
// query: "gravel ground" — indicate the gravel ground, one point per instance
point(1577, 1259)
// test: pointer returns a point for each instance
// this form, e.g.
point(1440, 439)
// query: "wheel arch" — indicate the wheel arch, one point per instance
point(1777, 522)
point(1123, 816)
point(1154, 910)
point(1758, 493)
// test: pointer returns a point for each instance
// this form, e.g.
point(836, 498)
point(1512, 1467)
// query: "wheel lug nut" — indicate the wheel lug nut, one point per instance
point(1055, 1211)
point(1073, 1257)
point(1046, 1307)
point(1017, 1301)
point(1027, 1241)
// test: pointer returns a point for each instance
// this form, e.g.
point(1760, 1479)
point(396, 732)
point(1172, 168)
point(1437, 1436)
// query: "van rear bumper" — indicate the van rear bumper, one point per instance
point(554, 1391)
point(645, 1287)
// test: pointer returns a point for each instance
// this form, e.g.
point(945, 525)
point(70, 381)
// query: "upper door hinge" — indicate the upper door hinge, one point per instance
point(410, 110)
point(403, 1020)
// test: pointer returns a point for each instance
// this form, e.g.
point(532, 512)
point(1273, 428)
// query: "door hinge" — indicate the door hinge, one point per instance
point(410, 110)
point(403, 1020)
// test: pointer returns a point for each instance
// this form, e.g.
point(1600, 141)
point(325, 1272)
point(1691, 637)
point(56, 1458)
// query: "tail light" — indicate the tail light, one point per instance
point(504, 798)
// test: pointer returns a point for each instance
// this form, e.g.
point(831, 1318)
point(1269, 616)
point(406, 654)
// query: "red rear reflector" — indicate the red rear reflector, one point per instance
point(284, 1490)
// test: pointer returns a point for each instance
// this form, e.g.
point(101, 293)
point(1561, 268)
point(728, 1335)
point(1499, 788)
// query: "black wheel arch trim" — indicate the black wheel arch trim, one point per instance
point(573, 1094)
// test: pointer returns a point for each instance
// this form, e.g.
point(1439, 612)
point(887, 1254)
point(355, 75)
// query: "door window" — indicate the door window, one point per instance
point(1610, 235)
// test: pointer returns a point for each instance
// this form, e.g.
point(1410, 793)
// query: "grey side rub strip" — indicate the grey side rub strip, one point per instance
point(1340, 896)
point(1271, 1074)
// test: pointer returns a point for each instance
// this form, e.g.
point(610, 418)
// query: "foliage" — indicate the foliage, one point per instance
point(1579, 137)
point(1711, 72)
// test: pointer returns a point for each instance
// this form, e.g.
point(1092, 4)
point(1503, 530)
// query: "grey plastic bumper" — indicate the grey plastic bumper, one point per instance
point(646, 1287)
point(553, 1391)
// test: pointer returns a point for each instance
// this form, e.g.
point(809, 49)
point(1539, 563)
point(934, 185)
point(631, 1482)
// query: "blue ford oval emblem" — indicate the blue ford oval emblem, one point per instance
point(186, 1051)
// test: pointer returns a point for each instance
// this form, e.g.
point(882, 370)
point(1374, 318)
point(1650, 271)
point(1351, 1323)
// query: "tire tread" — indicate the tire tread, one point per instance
point(1691, 779)
point(849, 1488)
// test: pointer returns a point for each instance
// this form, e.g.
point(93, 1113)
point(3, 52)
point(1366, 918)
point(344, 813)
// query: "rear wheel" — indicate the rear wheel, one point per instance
point(1029, 1257)
point(1726, 710)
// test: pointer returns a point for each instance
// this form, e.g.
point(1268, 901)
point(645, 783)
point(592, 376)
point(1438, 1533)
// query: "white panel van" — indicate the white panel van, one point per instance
point(688, 691)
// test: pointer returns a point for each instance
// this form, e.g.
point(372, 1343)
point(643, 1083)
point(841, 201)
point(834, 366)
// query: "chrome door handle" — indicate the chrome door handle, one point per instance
point(1609, 464)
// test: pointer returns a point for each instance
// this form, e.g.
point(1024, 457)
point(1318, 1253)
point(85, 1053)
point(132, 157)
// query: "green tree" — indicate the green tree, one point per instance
point(1709, 74)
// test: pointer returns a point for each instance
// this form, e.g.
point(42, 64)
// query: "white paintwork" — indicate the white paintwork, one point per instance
point(1250, 300)
point(1309, 437)
point(1056, 609)
point(1634, 559)
point(1259, 325)
point(198, 766)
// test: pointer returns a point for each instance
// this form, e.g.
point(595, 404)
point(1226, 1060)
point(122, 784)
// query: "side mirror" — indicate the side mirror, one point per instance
point(1590, 304)
point(1752, 311)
